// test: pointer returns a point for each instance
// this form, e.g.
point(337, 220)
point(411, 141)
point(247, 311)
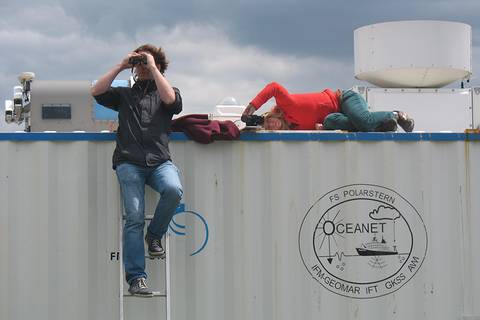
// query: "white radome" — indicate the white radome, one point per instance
point(413, 54)
point(229, 107)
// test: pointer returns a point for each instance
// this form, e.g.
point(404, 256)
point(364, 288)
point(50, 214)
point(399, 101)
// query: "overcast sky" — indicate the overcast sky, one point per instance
point(217, 48)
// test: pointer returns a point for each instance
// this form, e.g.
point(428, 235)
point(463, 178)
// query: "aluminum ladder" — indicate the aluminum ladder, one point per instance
point(156, 294)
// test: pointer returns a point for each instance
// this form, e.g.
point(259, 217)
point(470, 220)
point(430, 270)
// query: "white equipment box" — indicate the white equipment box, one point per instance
point(434, 110)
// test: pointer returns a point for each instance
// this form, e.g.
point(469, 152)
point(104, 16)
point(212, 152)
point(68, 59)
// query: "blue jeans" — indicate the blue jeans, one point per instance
point(354, 115)
point(132, 178)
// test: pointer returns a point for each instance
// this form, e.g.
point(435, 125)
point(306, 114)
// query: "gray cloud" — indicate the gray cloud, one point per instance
point(216, 48)
point(308, 27)
point(302, 27)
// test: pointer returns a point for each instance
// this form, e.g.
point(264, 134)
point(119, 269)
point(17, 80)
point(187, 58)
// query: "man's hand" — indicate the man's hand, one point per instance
point(125, 64)
point(249, 110)
point(105, 81)
point(150, 61)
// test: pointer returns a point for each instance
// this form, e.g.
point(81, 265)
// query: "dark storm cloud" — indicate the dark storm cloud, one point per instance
point(306, 27)
point(323, 28)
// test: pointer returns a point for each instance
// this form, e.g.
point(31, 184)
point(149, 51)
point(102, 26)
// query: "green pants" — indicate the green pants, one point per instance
point(354, 115)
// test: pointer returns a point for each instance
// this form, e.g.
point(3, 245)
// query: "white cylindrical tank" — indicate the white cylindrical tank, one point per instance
point(413, 54)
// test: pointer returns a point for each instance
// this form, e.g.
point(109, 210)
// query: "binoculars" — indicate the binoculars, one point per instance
point(254, 120)
point(137, 60)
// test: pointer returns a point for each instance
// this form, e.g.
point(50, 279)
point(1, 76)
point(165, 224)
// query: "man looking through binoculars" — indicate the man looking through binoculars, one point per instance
point(141, 156)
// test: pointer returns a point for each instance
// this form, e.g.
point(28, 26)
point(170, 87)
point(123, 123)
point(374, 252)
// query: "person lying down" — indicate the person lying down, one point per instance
point(325, 110)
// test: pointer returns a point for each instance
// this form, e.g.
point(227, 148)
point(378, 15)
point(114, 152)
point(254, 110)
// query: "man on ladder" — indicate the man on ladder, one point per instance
point(141, 156)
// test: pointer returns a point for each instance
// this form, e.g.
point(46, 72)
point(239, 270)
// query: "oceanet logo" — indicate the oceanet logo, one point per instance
point(362, 241)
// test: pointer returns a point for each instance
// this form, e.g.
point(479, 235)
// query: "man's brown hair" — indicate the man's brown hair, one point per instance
point(157, 53)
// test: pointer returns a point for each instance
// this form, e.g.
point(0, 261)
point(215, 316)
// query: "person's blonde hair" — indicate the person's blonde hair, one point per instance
point(277, 113)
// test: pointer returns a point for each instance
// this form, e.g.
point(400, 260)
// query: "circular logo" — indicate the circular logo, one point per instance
point(180, 229)
point(362, 241)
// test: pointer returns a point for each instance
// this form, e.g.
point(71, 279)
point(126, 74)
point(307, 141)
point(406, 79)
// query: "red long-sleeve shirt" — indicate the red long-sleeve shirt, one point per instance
point(304, 109)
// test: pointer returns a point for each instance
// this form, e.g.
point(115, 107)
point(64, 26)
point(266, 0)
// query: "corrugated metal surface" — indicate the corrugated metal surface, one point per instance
point(259, 194)
point(58, 227)
point(58, 200)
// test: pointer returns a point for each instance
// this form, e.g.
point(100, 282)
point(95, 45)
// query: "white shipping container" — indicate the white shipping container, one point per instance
point(287, 215)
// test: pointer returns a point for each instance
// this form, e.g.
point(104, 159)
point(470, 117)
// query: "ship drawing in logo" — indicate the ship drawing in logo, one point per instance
point(376, 248)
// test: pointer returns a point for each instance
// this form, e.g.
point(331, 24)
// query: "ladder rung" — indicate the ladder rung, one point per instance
point(153, 258)
point(156, 294)
point(147, 217)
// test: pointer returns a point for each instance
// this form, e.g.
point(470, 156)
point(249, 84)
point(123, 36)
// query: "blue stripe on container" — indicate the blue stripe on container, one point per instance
point(256, 136)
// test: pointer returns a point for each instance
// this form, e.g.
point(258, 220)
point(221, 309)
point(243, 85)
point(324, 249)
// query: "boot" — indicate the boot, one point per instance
point(387, 125)
point(404, 121)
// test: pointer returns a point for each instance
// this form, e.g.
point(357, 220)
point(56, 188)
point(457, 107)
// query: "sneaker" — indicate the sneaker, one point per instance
point(387, 125)
point(405, 121)
point(138, 287)
point(155, 248)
